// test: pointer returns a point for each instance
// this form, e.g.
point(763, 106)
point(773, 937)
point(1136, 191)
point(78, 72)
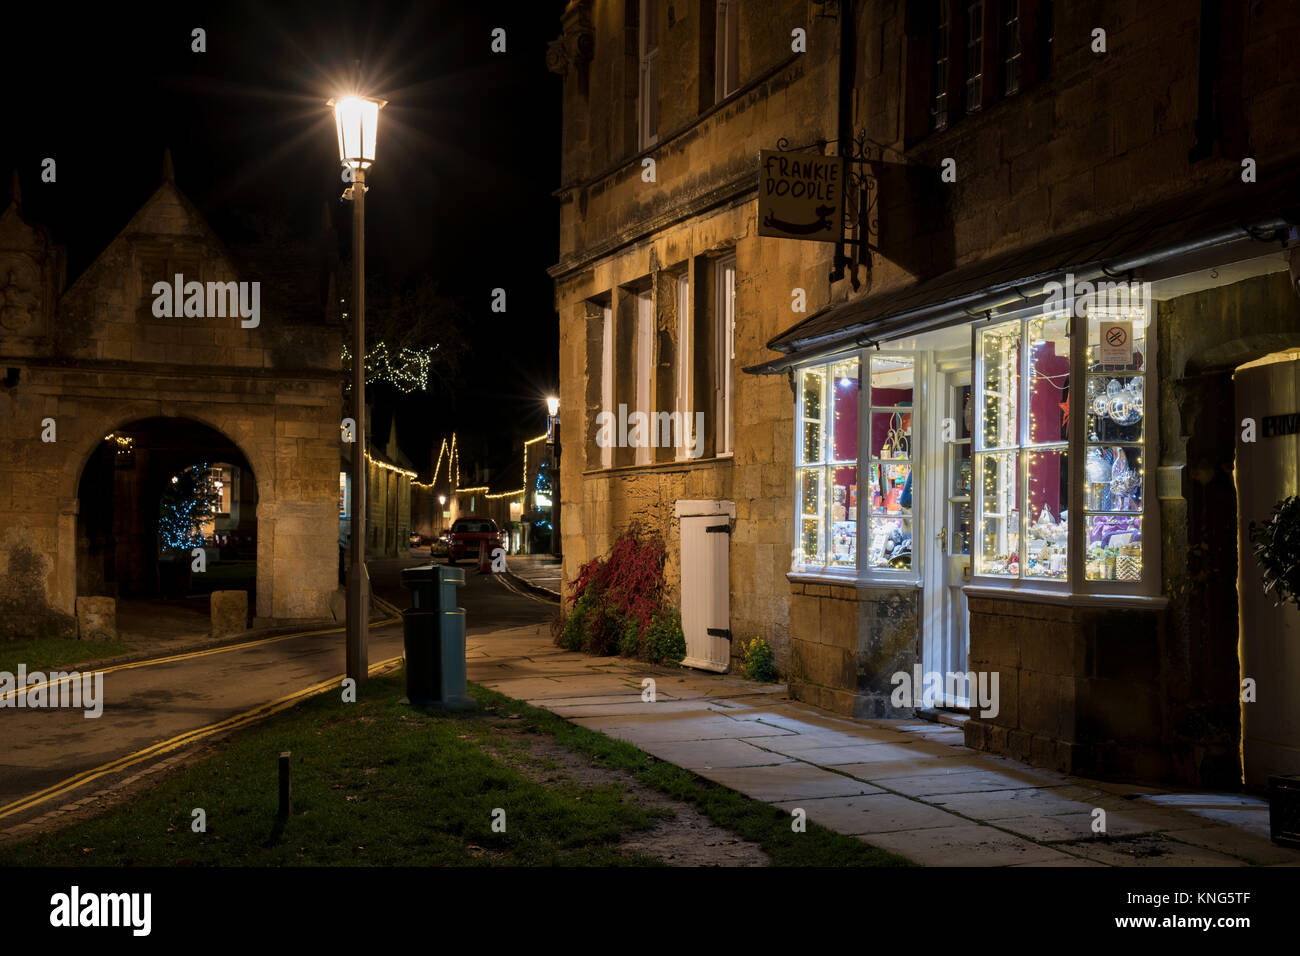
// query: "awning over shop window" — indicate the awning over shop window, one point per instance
point(1225, 224)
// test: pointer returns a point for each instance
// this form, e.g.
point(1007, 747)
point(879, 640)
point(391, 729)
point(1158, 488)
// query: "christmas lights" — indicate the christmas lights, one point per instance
point(407, 369)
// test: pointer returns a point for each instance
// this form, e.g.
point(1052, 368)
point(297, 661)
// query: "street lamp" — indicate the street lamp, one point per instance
point(553, 439)
point(356, 119)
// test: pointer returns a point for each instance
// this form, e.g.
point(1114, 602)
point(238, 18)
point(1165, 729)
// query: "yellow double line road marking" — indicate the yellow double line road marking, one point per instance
point(180, 740)
point(173, 658)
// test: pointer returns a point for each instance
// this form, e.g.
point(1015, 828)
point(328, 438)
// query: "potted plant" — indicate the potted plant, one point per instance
point(1276, 546)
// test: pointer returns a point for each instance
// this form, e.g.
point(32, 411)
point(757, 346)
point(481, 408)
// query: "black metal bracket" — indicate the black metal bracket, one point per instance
point(718, 529)
point(718, 632)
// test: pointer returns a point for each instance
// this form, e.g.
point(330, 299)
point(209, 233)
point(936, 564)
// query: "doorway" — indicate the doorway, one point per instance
point(945, 632)
point(705, 582)
point(1268, 392)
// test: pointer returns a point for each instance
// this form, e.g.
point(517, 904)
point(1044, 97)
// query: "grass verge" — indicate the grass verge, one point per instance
point(46, 653)
point(380, 783)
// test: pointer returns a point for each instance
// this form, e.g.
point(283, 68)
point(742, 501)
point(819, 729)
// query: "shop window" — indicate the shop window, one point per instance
point(1026, 470)
point(890, 489)
point(1115, 409)
point(1021, 457)
point(826, 470)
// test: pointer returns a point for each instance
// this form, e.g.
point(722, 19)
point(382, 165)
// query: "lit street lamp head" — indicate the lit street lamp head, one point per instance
point(553, 405)
point(356, 119)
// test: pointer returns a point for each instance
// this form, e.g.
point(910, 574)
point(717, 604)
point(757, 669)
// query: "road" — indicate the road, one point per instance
point(52, 757)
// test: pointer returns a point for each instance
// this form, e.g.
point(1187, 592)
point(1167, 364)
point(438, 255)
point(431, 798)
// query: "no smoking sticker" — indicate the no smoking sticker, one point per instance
point(1116, 343)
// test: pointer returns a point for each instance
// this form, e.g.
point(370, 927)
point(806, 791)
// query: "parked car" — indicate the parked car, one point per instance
point(416, 539)
point(470, 535)
point(440, 547)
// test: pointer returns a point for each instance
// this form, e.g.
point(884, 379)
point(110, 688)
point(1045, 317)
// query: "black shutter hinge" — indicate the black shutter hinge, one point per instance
point(718, 529)
point(718, 632)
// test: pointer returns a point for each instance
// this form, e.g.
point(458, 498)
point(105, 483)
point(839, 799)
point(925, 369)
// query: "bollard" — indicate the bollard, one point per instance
point(285, 797)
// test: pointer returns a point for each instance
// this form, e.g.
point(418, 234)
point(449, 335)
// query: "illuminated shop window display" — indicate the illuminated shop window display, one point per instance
point(1021, 457)
point(889, 466)
point(827, 470)
point(1115, 438)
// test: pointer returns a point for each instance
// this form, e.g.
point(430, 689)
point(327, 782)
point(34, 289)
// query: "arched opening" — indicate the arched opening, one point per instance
point(167, 515)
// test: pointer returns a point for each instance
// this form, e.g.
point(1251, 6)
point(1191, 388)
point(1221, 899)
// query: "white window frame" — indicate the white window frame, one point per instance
point(726, 63)
point(685, 364)
point(826, 569)
point(892, 576)
point(645, 328)
point(607, 379)
point(648, 74)
point(725, 318)
point(1075, 584)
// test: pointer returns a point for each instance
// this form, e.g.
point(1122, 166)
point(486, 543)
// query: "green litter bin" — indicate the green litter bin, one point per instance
point(434, 637)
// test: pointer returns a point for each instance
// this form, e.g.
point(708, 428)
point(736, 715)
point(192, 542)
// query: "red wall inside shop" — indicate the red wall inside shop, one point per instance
point(1045, 399)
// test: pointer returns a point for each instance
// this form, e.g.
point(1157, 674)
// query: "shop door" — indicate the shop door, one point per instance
point(706, 622)
point(946, 637)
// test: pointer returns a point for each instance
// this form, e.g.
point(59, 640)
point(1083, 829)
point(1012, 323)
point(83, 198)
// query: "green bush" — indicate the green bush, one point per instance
point(758, 660)
point(629, 644)
point(572, 635)
point(1276, 545)
point(664, 641)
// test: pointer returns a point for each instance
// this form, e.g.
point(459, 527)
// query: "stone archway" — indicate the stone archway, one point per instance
point(134, 487)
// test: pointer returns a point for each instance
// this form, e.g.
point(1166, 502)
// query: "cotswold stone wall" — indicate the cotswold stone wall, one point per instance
point(619, 231)
point(847, 641)
point(1081, 689)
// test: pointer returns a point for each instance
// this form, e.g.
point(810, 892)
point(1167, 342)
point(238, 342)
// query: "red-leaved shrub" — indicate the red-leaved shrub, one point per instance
point(626, 585)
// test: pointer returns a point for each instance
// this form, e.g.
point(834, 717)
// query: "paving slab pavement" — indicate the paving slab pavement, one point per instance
point(908, 786)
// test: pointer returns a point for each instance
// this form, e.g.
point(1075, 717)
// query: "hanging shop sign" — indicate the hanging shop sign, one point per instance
point(1116, 342)
point(800, 196)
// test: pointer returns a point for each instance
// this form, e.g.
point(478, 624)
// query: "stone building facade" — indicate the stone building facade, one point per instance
point(94, 362)
point(1003, 439)
point(661, 270)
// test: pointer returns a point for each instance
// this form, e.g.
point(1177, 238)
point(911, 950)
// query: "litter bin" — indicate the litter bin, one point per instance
point(434, 637)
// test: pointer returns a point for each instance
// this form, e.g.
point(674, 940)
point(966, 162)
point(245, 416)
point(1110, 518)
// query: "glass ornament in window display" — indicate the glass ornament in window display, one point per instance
point(1096, 467)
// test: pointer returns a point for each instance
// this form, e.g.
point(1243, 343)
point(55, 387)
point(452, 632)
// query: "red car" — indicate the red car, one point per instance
point(470, 535)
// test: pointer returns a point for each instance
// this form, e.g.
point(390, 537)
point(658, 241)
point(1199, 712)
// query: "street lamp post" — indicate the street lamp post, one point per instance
point(553, 408)
point(356, 119)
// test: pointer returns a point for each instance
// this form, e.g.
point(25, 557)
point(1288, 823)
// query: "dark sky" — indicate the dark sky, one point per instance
point(467, 158)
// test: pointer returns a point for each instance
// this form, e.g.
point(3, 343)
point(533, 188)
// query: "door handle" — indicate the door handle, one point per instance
point(942, 537)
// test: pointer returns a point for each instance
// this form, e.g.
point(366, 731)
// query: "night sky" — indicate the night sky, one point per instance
point(467, 159)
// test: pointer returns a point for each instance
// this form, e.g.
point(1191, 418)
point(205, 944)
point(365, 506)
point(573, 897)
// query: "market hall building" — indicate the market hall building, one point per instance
point(962, 458)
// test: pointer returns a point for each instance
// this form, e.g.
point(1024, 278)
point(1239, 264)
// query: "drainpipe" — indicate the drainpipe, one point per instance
point(844, 125)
